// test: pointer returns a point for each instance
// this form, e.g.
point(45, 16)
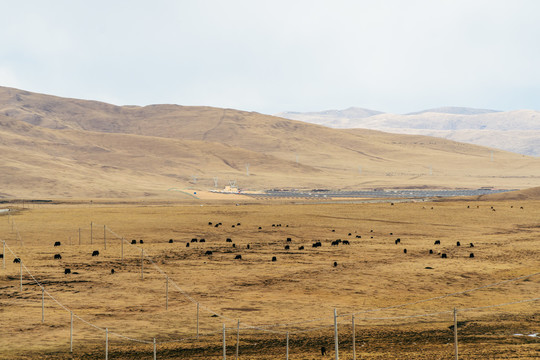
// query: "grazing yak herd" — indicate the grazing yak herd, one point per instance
point(287, 245)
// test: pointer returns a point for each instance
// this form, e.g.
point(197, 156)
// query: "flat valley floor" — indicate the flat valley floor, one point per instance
point(401, 300)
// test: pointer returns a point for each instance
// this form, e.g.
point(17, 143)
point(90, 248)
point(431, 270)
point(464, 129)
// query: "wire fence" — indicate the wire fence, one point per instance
point(290, 328)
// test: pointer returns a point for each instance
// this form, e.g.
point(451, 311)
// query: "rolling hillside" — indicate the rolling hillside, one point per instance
point(58, 147)
point(527, 194)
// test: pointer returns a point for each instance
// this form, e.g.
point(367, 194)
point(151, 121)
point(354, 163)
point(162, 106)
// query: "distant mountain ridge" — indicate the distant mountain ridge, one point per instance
point(456, 110)
point(349, 113)
point(516, 131)
point(338, 119)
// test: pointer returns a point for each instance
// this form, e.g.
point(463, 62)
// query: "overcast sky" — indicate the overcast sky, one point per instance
point(270, 56)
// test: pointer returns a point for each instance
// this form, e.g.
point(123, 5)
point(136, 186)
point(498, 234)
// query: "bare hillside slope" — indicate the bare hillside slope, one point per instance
point(68, 147)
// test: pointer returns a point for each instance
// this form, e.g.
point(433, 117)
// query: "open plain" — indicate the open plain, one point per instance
point(297, 293)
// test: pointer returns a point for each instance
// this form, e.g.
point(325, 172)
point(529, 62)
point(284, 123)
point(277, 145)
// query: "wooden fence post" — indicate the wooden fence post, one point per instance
point(287, 345)
point(336, 334)
point(42, 305)
point(142, 266)
point(224, 344)
point(455, 334)
point(20, 263)
point(353, 339)
point(237, 338)
point(71, 333)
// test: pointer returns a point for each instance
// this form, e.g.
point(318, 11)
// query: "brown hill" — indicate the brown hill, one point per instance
point(43, 162)
point(57, 147)
point(526, 194)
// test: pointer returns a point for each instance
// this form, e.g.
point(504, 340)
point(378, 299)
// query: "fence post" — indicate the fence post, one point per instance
point(79, 236)
point(287, 345)
point(106, 343)
point(237, 338)
point(19, 237)
point(167, 293)
point(42, 305)
point(155, 355)
point(20, 263)
point(224, 344)
point(91, 233)
point(122, 251)
point(197, 321)
point(4, 255)
point(336, 334)
point(353, 339)
point(455, 334)
point(142, 266)
point(71, 333)
point(104, 237)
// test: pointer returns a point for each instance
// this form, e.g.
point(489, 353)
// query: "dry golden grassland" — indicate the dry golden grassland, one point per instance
point(297, 289)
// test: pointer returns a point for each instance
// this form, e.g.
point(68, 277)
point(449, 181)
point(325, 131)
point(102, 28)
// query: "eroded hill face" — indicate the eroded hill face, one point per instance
point(57, 147)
